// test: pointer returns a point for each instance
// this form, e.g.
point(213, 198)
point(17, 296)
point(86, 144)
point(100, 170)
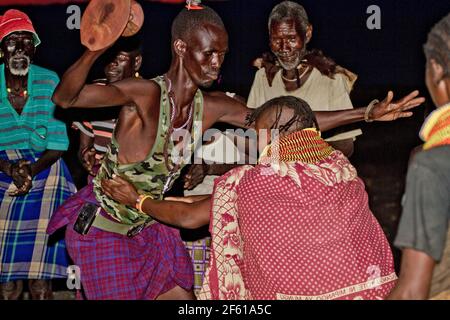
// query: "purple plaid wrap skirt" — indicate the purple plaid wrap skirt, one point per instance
point(115, 267)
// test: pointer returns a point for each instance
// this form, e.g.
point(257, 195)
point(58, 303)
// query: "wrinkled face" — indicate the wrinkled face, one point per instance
point(18, 49)
point(121, 67)
point(286, 44)
point(205, 53)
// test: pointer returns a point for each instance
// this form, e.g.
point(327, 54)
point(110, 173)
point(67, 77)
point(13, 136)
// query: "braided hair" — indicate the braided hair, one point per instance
point(437, 46)
point(303, 115)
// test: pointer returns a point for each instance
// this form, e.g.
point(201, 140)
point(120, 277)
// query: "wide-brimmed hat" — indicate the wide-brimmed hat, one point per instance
point(14, 20)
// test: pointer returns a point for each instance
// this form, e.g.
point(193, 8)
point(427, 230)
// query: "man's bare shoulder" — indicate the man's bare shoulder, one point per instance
point(215, 98)
point(145, 93)
point(144, 86)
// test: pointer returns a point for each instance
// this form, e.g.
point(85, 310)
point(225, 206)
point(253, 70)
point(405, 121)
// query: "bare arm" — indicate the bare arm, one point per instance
point(222, 108)
point(189, 215)
point(234, 112)
point(415, 276)
point(72, 91)
point(87, 153)
point(386, 110)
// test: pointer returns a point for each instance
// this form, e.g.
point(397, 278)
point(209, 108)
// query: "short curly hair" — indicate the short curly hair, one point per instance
point(437, 46)
point(187, 21)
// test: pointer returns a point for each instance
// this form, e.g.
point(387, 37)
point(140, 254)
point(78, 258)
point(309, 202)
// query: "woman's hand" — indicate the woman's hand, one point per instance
point(120, 190)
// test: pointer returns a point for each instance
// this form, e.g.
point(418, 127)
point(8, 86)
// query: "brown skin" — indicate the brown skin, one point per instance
point(182, 212)
point(288, 45)
point(196, 63)
point(186, 213)
point(124, 65)
point(415, 276)
point(16, 47)
point(417, 267)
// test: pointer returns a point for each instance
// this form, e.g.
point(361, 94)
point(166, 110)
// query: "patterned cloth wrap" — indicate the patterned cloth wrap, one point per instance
point(26, 251)
point(115, 267)
point(199, 252)
point(145, 266)
point(299, 230)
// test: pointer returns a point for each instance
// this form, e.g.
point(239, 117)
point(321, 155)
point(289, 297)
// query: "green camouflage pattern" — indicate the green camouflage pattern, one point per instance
point(151, 175)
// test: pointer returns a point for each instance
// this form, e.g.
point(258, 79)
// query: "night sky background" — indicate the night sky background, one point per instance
point(390, 58)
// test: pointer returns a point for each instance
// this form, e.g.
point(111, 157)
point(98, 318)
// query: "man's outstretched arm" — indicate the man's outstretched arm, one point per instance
point(386, 110)
point(234, 112)
point(188, 215)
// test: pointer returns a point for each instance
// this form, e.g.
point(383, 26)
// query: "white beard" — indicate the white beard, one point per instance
point(289, 66)
point(19, 71)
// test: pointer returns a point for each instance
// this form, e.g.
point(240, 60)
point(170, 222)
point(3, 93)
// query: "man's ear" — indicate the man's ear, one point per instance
point(137, 62)
point(436, 71)
point(309, 32)
point(180, 47)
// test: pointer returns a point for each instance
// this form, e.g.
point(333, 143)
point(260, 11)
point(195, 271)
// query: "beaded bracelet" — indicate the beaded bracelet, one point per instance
point(140, 201)
point(369, 109)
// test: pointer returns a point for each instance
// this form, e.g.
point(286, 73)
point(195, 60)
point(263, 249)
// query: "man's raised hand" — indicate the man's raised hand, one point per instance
point(387, 110)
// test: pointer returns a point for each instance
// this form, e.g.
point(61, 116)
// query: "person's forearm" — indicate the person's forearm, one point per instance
point(332, 119)
point(48, 158)
point(179, 214)
point(415, 276)
point(74, 79)
point(85, 143)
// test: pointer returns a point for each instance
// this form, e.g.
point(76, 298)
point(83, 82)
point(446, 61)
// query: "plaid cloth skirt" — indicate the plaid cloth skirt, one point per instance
point(26, 250)
point(115, 267)
point(199, 252)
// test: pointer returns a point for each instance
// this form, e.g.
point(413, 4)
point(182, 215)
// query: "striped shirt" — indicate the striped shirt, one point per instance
point(35, 128)
point(101, 131)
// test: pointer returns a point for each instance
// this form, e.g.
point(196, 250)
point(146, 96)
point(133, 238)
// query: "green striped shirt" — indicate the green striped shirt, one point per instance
point(35, 128)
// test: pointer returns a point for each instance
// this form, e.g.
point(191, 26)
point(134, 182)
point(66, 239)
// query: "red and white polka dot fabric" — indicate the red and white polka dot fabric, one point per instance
point(303, 234)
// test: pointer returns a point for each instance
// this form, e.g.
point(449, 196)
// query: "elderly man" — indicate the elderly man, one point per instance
point(424, 233)
point(144, 150)
point(34, 180)
point(298, 72)
point(296, 226)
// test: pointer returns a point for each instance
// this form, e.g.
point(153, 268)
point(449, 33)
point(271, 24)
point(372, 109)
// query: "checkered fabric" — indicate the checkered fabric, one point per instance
point(199, 252)
point(26, 251)
point(115, 267)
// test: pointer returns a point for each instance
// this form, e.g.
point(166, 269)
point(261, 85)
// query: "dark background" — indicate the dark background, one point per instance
point(390, 58)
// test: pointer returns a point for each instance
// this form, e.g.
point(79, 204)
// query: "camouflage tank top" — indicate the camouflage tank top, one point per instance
point(151, 176)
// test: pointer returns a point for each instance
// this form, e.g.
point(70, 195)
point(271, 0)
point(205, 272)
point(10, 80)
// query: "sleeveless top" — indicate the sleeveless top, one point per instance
point(151, 176)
